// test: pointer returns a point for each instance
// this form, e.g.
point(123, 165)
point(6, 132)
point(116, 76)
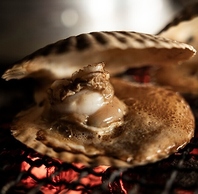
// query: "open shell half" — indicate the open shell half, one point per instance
point(119, 50)
point(95, 120)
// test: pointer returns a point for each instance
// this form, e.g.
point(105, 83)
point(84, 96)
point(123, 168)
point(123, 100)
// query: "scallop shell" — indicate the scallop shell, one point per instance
point(119, 50)
point(157, 123)
point(186, 15)
point(184, 28)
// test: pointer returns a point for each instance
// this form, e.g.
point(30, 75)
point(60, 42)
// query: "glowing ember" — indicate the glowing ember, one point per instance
point(139, 75)
point(142, 76)
point(42, 171)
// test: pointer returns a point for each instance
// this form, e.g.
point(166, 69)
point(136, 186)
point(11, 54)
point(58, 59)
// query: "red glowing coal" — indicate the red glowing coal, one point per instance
point(41, 172)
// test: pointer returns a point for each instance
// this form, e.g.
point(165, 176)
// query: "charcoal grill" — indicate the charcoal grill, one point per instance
point(22, 170)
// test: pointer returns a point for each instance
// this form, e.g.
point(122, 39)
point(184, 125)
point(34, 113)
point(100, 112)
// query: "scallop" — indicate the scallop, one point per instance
point(88, 115)
point(184, 28)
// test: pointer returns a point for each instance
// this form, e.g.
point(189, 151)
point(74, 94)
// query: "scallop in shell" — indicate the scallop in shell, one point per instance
point(95, 120)
point(184, 28)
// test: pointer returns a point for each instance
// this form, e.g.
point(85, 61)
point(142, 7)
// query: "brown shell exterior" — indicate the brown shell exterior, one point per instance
point(157, 124)
point(120, 50)
point(182, 78)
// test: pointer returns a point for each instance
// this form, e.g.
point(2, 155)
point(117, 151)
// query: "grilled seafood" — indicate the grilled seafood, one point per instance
point(87, 119)
point(97, 120)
